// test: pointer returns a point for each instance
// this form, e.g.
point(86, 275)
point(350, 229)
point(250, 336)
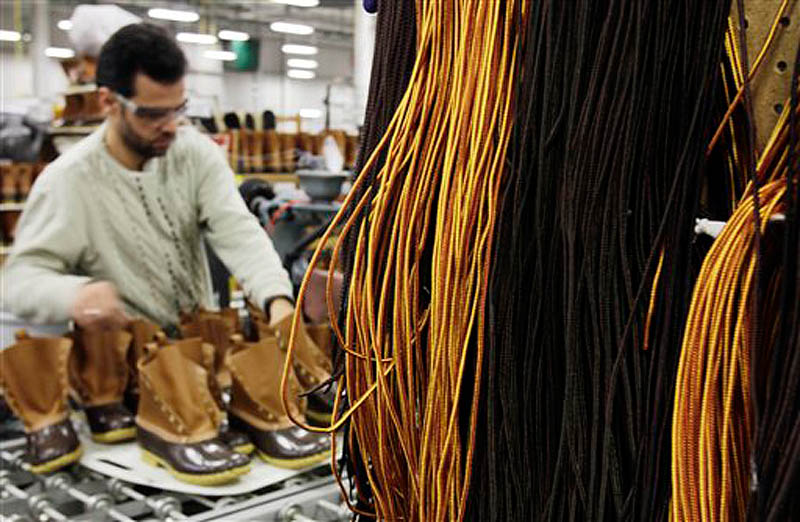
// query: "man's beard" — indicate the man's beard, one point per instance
point(139, 145)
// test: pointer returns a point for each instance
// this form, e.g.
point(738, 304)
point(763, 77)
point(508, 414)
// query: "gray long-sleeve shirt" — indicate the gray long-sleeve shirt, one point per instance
point(89, 218)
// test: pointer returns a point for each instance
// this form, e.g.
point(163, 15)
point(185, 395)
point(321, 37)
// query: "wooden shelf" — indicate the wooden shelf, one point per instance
point(279, 177)
point(10, 207)
point(80, 89)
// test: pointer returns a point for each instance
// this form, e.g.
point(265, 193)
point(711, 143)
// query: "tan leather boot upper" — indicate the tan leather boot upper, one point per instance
point(323, 336)
point(98, 367)
point(175, 402)
point(215, 328)
point(311, 364)
point(257, 369)
point(33, 376)
point(143, 332)
point(256, 143)
point(203, 353)
point(272, 150)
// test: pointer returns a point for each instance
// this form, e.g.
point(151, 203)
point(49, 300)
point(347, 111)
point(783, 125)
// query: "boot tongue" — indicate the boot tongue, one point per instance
point(98, 365)
point(219, 325)
point(197, 351)
point(143, 332)
point(257, 369)
point(203, 354)
point(213, 328)
point(231, 317)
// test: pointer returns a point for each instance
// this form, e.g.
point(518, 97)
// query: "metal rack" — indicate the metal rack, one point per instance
point(81, 495)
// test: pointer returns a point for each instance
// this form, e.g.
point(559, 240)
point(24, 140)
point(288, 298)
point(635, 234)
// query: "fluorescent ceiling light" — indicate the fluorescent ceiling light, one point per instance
point(310, 113)
point(59, 52)
point(64, 25)
point(196, 38)
point(225, 56)
point(300, 63)
point(237, 36)
point(307, 50)
point(300, 74)
point(173, 15)
point(10, 36)
point(298, 3)
point(288, 27)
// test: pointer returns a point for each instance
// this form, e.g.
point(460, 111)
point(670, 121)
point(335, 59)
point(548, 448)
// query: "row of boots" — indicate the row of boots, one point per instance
point(178, 389)
point(16, 180)
point(254, 151)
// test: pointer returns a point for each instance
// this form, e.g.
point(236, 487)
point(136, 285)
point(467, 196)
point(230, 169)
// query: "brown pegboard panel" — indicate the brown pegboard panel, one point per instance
point(770, 88)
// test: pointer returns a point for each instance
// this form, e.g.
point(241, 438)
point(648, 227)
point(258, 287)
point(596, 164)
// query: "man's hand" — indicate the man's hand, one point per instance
point(278, 310)
point(98, 306)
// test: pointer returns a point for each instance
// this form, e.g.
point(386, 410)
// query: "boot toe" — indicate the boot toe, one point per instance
point(236, 440)
point(291, 447)
point(207, 462)
point(110, 423)
point(53, 447)
point(307, 442)
point(239, 460)
point(201, 458)
point(218, 456)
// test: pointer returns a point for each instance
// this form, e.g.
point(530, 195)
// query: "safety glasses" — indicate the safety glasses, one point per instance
point(153, 115)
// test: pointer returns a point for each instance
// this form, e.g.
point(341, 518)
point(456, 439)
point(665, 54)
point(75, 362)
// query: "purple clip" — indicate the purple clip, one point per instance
point(371, 6)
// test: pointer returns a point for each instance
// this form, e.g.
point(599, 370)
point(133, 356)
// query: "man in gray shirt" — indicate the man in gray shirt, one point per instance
point(114, 229)
point(115, 226)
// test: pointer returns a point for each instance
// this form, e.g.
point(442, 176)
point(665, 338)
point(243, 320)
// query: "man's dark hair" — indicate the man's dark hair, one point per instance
point(144, 48)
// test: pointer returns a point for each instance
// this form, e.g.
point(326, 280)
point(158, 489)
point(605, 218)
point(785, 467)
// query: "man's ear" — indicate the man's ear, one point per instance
point(107, 101)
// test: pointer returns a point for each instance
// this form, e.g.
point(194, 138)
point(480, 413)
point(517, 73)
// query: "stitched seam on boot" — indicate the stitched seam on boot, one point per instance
point(172, 417)
point(238, 375)
point(304, 372)
point(208, 401)
point(170, 437)
point(298, 365)
point(305, 368)
point(277, 424)
point(63, 360)
point(211, 380)
point(317, 360)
